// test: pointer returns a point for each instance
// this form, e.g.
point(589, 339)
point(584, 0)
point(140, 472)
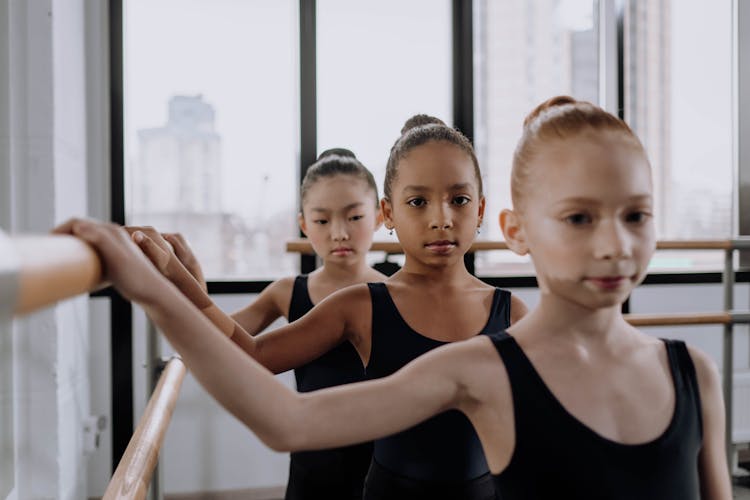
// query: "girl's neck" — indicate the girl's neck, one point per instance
point(560, 319)
point(443, 276)
point(344, 274)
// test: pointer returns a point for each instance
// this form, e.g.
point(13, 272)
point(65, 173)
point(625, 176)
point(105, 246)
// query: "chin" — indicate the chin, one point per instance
point(615, 300)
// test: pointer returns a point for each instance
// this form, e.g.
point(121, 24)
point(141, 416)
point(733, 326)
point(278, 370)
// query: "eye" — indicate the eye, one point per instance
point(637, 217)
point(461, 200)
point(416, 202)
point(578, 219)
point(320, 221)
point(356, 217)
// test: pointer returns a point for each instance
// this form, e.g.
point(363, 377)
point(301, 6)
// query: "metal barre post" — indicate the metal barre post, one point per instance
point(728, 354)
point(154, 368)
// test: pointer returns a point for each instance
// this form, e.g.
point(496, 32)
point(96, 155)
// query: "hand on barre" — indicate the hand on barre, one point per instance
point(124, 264)
point(170, 253)
point(169, 257)
point(184, 253)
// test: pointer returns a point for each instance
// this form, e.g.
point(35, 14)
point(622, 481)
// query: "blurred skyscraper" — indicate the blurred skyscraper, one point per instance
point(526, 51)
point(176, 186)
point(179, 165)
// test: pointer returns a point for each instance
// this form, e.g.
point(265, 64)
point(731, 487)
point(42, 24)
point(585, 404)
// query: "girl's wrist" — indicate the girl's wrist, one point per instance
point(224, 322)
point(187, 284)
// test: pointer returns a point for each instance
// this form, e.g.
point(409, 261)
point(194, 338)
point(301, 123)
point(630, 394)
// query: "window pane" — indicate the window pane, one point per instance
point(526, 51)
point(211, 137)
point(679, 102)
point(678, 94)
point(378, 64)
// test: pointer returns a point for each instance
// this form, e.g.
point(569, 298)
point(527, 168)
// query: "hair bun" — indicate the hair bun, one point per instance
point(338, 152)
point(419, 121)
point(559, 100)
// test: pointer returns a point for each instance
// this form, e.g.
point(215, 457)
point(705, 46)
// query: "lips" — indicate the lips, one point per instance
point(608, 282)
point(441, 246)
point(342, 251)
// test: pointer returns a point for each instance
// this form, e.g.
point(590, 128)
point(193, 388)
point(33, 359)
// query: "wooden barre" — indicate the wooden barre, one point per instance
point(302, 245)
point(52, 268)
point(133, 475)
point(720, 318)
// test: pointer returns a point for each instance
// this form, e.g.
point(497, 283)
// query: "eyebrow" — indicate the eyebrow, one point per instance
point(346, 208)
point(592, 201)
point(459, 186)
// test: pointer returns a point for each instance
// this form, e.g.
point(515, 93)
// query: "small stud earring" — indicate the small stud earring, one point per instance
point(390, 232)
point(479, 230)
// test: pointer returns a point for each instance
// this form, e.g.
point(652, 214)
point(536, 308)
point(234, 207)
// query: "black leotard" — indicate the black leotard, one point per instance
point(442, 452)
point(336, 473)
point(557, 456)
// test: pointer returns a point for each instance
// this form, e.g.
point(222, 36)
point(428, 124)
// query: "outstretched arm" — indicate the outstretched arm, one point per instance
point(279, 416)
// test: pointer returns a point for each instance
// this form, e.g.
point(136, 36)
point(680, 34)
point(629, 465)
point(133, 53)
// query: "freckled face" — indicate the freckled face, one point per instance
point(435, 206)
point(587, 218)
point(339, 216)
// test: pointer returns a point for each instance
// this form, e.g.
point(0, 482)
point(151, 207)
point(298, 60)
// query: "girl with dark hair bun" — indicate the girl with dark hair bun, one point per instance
point(435, 203)
point(340, 212)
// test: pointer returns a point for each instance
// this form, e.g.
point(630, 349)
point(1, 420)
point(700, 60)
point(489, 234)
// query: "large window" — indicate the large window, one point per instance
point(678, 96)
point(378, 64)
point(211, 128)
point(526, 51)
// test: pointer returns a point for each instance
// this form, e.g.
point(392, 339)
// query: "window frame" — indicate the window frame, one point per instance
point(611, 96)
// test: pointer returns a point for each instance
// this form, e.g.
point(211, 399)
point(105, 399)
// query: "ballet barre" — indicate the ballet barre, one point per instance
point(133, 475)
point(684, 319)
point(48, 269)
point(303, 246)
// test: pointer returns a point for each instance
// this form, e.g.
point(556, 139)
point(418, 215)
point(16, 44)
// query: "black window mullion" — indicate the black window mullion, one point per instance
point(463, 78)
point(121, 312)
point(308, 101)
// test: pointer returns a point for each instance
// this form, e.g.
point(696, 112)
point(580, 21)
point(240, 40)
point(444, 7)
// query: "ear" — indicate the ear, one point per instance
point(482, 206)
point(302, 223)
point(378, 219)
point(510, 223)
point(386, 213)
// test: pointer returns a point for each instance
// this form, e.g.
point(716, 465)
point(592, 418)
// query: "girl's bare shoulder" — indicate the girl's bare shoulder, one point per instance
point(706, 371)
point(375, 276)
point(351, 297)
point(280, 291)
point(477, 364)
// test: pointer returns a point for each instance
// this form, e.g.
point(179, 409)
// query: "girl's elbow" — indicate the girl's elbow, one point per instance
point(278, 443)
point(284, 441)
point(284, 434)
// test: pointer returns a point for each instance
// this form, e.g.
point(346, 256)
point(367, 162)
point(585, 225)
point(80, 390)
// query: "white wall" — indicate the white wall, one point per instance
point(43, 155)
point(8, 290)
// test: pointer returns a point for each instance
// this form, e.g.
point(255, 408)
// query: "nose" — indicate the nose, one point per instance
point(441, 217)
point(612, 241)
point(339, 231)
